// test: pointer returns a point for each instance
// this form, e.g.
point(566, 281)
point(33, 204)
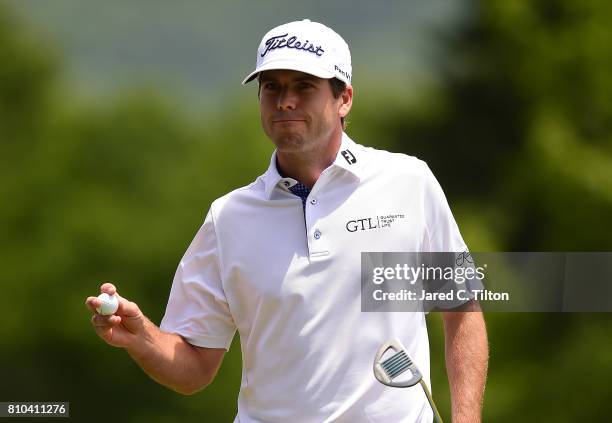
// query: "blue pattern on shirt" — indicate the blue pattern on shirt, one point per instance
point(301, 191)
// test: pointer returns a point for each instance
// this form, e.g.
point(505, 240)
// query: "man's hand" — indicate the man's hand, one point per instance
point(165, 357)
point(123, 329)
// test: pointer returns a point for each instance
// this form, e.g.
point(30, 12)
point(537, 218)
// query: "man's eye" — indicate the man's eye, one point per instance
point(270, 86)
point(306, 85)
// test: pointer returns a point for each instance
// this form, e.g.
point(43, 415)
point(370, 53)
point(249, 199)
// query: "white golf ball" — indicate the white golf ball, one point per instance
point(109, 305)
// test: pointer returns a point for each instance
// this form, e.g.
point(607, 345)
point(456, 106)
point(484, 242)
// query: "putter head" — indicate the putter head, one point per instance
point(388, 370)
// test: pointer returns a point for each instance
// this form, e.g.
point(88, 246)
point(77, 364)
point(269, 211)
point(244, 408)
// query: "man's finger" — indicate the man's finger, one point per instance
point(100, 321)
point(92, 303)
point(108, 288)
point(127, 308)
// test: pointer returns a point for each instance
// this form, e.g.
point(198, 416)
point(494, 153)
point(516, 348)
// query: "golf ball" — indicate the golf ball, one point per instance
point(109, 305)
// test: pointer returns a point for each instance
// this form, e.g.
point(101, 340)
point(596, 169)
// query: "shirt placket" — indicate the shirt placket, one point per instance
point(316, 238)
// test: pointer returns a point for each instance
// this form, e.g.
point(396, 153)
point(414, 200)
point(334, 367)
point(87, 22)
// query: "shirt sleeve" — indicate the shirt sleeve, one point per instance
point(442, 236)
point(441, 231)
point(197, 308)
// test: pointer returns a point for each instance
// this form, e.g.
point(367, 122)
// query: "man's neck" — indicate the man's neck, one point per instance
point(306, 167)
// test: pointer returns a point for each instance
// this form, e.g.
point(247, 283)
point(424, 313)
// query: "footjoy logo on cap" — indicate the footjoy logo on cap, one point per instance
point(281, 41)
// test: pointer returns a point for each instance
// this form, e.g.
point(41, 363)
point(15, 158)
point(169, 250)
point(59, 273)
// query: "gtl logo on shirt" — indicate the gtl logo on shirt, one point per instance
point(369, 223)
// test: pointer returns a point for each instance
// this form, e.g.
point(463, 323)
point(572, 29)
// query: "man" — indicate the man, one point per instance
point(279, 261)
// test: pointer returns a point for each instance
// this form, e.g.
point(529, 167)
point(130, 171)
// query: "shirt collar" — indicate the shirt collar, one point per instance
point(348, 158)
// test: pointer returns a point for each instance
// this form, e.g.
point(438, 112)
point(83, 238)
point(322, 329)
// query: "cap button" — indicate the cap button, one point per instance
point(305, 20)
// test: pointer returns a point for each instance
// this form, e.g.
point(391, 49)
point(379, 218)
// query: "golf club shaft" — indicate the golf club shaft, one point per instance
point(431, 401)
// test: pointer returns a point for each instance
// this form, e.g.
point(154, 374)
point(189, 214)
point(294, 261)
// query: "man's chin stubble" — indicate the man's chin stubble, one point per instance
point(289, 143)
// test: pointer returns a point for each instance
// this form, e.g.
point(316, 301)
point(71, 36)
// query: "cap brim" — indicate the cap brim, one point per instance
point(288, 65)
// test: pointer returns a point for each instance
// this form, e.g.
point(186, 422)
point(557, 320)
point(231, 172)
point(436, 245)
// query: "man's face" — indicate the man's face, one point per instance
point(298, 110)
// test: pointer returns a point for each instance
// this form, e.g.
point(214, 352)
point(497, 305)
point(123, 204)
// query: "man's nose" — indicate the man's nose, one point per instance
point(286, 99)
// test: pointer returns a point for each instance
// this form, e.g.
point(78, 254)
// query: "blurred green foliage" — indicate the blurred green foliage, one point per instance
point(518, 132)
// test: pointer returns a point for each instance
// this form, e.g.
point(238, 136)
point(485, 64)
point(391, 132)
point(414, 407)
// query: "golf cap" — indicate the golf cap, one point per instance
point(304, 46)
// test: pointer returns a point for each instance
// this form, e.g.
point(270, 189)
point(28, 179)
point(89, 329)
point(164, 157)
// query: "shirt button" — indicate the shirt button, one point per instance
point(286, 183)
point(317, 234)
point(313, 201)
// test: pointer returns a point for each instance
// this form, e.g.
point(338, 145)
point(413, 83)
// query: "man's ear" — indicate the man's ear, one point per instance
point(347, 101)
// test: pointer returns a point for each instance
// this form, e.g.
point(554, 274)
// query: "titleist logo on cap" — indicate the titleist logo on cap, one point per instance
point(280, 41)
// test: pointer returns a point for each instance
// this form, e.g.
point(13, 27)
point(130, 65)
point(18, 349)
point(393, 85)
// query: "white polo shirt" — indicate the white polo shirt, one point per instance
point(288, 280)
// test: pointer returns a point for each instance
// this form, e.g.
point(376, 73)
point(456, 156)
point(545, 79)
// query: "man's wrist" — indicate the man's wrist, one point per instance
point(467, 413)
point(144, 343)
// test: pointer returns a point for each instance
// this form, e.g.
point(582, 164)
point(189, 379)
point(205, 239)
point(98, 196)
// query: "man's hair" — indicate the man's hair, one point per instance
point(337, 86)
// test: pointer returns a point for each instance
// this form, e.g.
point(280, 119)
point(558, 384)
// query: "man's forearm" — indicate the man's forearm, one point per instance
point(467, 355)
point(169, 360)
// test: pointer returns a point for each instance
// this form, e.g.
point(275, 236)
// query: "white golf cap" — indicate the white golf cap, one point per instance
point(304, 46)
